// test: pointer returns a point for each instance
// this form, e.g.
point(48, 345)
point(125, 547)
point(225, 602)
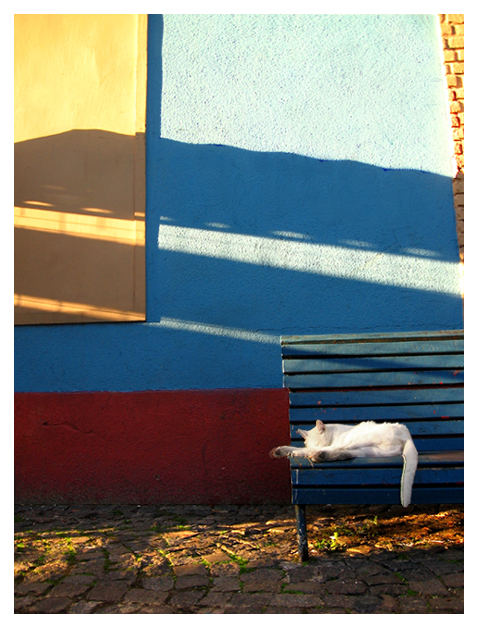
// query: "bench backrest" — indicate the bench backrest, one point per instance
point(411, 378)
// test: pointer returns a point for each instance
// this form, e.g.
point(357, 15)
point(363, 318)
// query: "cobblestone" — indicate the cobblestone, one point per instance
point(224, 560)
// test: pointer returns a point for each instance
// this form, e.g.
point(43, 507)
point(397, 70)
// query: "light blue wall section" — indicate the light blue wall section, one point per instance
point(365, 88)
point(298, 181)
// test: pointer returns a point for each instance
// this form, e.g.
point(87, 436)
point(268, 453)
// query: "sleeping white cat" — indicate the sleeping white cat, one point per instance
point(369, 439)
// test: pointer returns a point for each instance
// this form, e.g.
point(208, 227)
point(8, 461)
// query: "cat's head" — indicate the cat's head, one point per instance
point(315, 437)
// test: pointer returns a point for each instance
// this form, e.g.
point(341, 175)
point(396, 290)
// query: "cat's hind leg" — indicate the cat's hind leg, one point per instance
point(325, 455)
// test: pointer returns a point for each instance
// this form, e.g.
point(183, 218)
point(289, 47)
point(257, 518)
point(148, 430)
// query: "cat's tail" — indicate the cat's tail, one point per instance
point(410, 461)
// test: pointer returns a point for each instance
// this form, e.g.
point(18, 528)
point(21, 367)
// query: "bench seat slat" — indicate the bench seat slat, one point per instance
point(369, 397)
point(378, 413)
point(379, 379)
point(370, 348)
point(372, 364)
point(428, 336)
point(421, 495)
point(372, 476)
point(452, 457)
point(416, 428)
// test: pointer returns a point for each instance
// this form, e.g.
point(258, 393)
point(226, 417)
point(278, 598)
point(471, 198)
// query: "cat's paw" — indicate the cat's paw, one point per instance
point(317, 456)
point(277, 452)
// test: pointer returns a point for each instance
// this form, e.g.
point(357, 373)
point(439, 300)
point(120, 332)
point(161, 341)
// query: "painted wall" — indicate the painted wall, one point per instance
point(80, 109)
point(297, 181)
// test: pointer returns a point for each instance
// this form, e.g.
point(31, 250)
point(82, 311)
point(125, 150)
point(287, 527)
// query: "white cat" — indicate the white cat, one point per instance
point(339, 442)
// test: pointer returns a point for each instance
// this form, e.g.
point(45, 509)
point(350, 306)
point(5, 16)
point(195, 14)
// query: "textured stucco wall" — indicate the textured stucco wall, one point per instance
point(150, 447)
point(298, 181)
point(360, 87)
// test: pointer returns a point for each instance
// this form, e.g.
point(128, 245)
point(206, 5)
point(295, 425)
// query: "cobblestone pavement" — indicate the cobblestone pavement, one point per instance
point(227, 559)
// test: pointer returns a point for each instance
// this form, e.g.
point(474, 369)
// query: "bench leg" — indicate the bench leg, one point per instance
point(302, 532)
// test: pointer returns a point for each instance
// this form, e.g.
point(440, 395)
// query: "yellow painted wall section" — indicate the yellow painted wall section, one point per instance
point(80, 109)
point(75, 72)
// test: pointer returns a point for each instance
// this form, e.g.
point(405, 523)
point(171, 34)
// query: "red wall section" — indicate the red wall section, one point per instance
point(201, 447)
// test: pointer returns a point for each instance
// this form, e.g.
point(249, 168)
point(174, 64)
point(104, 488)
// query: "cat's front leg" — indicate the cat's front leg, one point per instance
point(290, 452)
point(281, 452)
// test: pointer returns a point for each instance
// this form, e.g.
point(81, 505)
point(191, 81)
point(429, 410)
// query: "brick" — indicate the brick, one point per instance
point(216, 557)
point(389, 589)
point(72, 587)
point(345, 587)
point(51, 605)
point(83, 607)
point(226, 583)
point(454, 580)
point(447, 604)
point(455, 18)
point(456, 41)
point(35, 588)
point(108, 591)
point(296, 601)
point(216, 599)
point(146, 597)
point(458, 134)
point(456, 106)
point(188, 582)
point(455, 121)
point(158, 583)
point(458, 68)
point(388, 605)
point(414, 605)
point(452, 80)
point(193, 569)
point(459, 184)
point(304, 587)
point(248, 602)
point(186, 598)
point(340, 601)
point(262, 575)
point(428, 587)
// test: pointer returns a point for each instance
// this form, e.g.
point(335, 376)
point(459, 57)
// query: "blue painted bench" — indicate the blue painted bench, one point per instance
point(410, 378)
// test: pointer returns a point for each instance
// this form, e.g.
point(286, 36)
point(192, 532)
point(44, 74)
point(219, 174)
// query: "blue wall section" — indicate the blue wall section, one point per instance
point(298, 181)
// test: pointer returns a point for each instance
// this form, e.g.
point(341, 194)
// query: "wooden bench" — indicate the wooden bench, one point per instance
point(410, 378)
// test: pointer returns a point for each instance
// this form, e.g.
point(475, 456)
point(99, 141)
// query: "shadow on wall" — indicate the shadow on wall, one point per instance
point(234, 229)
point(283, 243)
point(239, 240)
point(242, 247)
point(76, 231)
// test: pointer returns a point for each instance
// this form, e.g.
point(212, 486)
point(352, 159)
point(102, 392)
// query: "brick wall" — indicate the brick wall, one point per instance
point(453, 36)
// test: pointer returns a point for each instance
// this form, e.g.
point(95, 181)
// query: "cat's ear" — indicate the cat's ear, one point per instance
point(303, 433)
point(320, 426)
